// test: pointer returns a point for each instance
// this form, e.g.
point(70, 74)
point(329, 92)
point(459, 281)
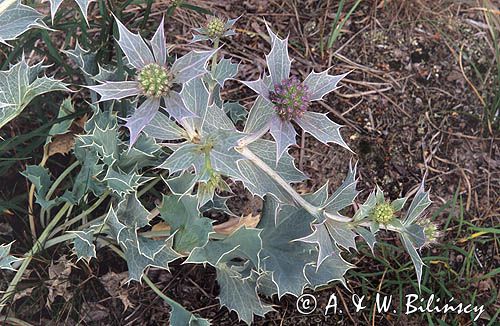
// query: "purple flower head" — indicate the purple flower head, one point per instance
point(291, 99)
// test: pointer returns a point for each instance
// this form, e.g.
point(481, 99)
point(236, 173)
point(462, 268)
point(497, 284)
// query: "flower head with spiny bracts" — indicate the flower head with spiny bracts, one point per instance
point(289, 99)
point(383, 213)
point(215, 29)
point(155, 80)
point(431, 232)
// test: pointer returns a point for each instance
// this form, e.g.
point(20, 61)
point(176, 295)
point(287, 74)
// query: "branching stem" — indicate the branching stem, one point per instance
point(311, 209)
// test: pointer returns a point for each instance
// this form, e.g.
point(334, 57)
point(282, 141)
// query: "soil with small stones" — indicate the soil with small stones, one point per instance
point(408, 112)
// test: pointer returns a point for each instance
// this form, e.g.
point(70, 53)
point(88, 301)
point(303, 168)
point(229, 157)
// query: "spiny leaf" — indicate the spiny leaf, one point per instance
point(321, 128)
point(183, 216)
point(82, 4)
point(137, 262)
point(134, 47)
point(225, 70)
point(239, 294)
point(20, 85)
point(332, 269)
point(83, 244)
point(322, 83)
point(236, 111)
point(132, 213)
point(141, 118)
point(419, 203)
point(40, 177)
point(104, 142)
point(258, 86)
point(183, 158)
point(368, 236)
point(344, 195)
point(191, 65)
point(85, 59)
point(163, 128)
point(110, 90)
point(284, 135)
point(6, 260)
point(278, 61)
point(16, 19)
point(158, 45)
point(243, 243)
point(123, 183)
point(280, 255)
point(365, 209)
point(415, 257)
point(259, 116)
point(195, 96)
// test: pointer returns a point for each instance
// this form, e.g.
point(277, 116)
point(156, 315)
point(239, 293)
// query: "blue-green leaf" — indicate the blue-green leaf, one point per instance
point(39, 176)
point(16, 18)
point(83, 244)
point(322, 83)
point(243, 243)
point(116, 90)
point(191, 65)
point(321, 128)
point(7, 260)
point(415, 257)
point(239, 294)
point(259, 116)
point(225, 70)
point(184, 157)
point(134, 47)
point(20, 85)
point(278, 60)
point(182, 214)
point(419, 203)
point(163, 128)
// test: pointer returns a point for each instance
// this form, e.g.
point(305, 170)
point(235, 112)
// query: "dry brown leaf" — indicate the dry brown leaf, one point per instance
point(162, 226)
point(23, 293)
point(58, 283)
point(226, 228)
point(61, 144)
point(80, 122)
point(113, 283)
point(93, 312)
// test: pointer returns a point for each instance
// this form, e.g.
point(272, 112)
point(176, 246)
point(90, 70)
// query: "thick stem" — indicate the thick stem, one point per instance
point(81, 215)
point(54, 186)
point(214, 58)
point(311, 209)
point(254, 137)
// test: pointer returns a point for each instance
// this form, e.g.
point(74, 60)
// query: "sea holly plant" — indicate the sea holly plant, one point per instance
point(157, 181)
point(214, 30)
point(290, 99)
point(155, 80)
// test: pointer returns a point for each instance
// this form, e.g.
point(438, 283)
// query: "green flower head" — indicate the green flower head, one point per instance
point(215, 28)
point(383, 213)
point(154, 80)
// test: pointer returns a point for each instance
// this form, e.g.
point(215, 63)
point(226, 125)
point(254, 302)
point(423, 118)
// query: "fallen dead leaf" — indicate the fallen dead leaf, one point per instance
point(113, 283)
point(162, 226)
point(226, 228)
point(61, 144)
point(58, 283)
point(93, 312)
